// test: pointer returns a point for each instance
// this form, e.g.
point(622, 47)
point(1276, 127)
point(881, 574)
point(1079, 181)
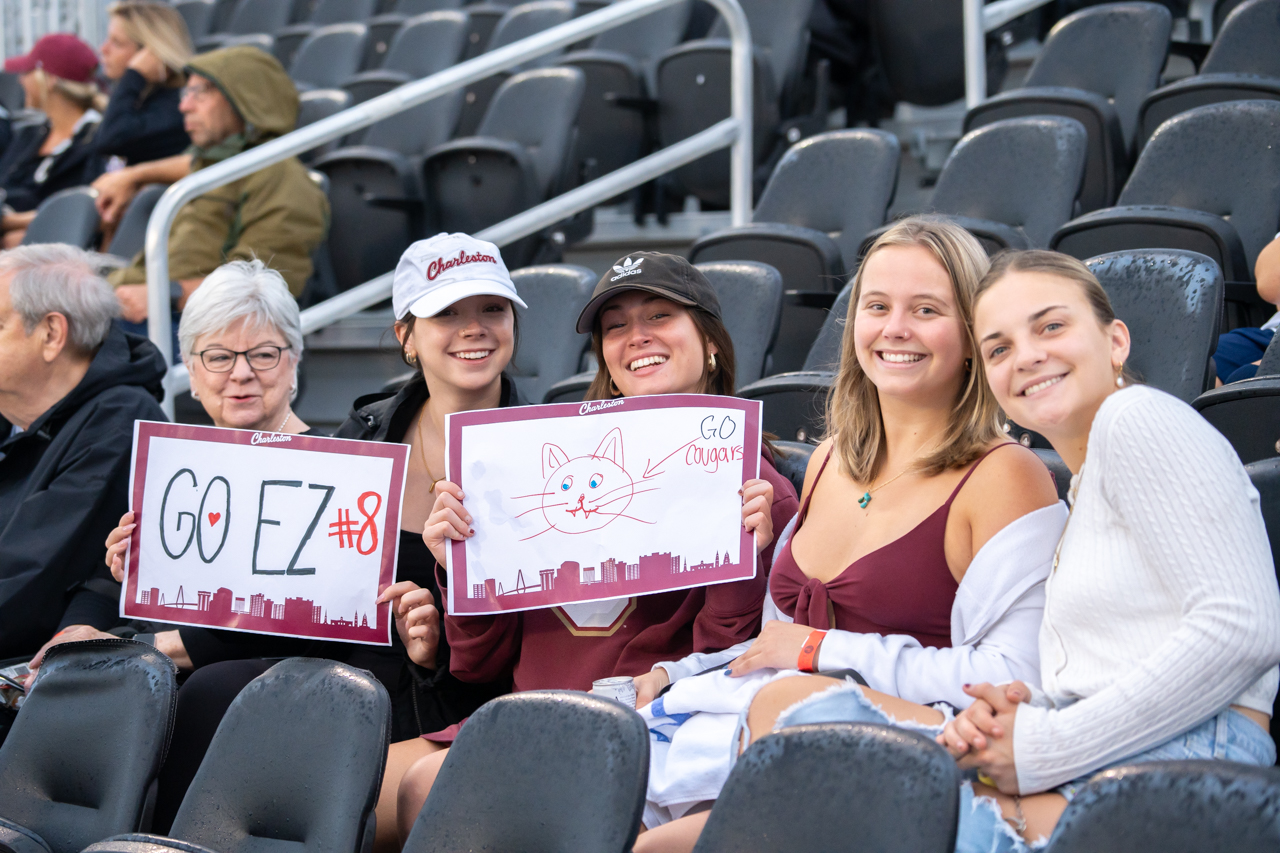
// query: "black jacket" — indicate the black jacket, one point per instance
point(63, 487)
point(141, 123)
point(26, 185)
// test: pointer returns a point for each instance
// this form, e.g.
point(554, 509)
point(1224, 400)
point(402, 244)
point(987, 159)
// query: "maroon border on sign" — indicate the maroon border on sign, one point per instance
point(751, 410)
point(144, 431)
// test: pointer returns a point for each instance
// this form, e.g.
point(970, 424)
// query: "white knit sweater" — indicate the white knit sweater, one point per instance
point(1163, 609)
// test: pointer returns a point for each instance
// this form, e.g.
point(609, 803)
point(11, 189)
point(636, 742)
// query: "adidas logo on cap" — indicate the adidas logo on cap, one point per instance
point(626, 268)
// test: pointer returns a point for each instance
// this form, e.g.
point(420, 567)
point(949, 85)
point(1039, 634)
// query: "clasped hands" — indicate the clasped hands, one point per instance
point(981, 736)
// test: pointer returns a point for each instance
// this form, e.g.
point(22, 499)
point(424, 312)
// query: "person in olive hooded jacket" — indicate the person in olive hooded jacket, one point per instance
point(235, 99)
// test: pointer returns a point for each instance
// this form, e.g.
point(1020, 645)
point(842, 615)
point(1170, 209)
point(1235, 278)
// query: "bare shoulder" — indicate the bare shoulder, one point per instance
point(1010, 482)
point(816, 460)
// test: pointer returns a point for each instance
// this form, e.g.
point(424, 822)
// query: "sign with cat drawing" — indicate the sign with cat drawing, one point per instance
point(600, 501)
point(266, 532)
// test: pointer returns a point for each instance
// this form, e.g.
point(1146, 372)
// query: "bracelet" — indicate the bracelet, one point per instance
point(810, 650)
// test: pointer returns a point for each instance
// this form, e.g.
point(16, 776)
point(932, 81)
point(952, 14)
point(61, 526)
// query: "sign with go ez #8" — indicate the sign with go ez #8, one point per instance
point(293, 535)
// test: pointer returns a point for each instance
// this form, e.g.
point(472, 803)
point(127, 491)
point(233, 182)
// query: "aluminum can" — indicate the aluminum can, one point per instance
point(621, 688)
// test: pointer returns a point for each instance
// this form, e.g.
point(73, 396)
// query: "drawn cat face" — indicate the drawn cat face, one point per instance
point(587, 492)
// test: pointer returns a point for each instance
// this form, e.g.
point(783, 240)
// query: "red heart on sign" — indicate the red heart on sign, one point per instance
point(213, 518)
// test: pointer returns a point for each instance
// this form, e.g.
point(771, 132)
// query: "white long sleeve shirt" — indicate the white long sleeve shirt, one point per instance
point(1163, 609)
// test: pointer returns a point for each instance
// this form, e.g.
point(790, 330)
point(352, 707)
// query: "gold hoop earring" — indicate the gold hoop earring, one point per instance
point(613, 389)
point(410, 357)
point(711, 360)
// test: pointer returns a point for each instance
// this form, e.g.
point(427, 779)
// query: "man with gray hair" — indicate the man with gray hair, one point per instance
point(71, 385)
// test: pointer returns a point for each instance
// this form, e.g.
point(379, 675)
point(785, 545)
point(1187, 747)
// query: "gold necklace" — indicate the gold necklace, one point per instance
point(865, 500)
point(422, 453)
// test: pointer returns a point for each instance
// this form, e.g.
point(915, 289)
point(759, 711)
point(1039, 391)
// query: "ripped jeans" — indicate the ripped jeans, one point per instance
point(1229, 736)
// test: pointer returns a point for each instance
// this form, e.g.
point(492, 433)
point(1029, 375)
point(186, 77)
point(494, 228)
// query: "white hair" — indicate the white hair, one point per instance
point(55, 278)
point(241, 290)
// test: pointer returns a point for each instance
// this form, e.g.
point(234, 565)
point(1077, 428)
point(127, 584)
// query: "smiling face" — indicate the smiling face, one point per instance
point(467, 345)
point(652, 346)
point(907, 329)
point(244, 398)
point(1049, 359)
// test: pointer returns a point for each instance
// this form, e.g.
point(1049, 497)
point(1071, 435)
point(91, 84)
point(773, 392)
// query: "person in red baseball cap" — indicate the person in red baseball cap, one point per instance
point(57, 76)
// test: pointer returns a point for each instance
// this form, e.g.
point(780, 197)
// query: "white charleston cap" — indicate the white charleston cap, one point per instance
point(437, 272)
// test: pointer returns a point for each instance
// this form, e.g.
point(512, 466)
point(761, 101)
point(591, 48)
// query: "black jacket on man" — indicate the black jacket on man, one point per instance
point(63, 486)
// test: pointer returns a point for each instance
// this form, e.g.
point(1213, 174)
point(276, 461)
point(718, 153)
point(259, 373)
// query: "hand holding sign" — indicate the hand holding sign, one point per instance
point(266, 532)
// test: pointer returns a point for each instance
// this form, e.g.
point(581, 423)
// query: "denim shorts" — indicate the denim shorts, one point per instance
point(1229, 736)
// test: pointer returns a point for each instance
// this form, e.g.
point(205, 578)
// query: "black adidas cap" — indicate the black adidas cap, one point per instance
point(670, 276)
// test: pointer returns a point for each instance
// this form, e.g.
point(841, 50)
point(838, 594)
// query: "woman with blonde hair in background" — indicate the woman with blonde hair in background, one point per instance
point(146, 48)
point(57, 78)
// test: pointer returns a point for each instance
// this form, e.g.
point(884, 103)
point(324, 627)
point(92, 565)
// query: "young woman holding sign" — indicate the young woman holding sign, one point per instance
point(920, 551)
point(655, 331)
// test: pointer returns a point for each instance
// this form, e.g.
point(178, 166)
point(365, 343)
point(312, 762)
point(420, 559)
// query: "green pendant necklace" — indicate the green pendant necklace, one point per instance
point(865, 500)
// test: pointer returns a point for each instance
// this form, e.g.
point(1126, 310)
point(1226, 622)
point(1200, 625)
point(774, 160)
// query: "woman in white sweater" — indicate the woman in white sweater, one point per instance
point(1161, 628)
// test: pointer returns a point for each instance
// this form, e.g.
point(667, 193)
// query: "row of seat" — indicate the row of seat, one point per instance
point(298, 759)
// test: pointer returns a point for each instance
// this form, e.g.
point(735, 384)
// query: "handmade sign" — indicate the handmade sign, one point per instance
point(601, 501)
point(265, 532)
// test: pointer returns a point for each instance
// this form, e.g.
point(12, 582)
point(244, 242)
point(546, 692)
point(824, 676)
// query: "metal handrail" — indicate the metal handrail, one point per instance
point(734, 132)
point(978, 21)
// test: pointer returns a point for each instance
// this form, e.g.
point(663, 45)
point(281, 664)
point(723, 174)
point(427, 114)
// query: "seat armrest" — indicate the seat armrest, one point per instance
point(827, 249)
point(514, 150)
point(1064, 95)
point(1223, 243)
point(141, 842)
point(800, 380)
point(19, 839)
point(1178, 97)
point(578, 383)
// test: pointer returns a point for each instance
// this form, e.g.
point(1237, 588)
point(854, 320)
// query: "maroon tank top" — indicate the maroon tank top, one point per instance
point(903, 587)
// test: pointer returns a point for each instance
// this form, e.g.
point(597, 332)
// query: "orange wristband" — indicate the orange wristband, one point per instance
point(809, 650)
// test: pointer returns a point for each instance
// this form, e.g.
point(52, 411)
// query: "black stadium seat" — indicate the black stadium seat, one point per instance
point(792, 460)
point(81, 760)
point(824, 196)
point(1061, 473)
point(493, 792)
point(750, 296)
point(1012, 182)
point(482, 20)
point(295, 765)
point(131, 233)
point(520, 155)
point(1247, 413)
point(518, 23)
point(341, 11)
point(315, 105)
point(1208, 181)
point(1096, 67)
point(1243, 64)
point(838, 786)
point(329, 56)
point(68, 216)
point(1174, 806)
point(795, 402)
point(259, 16)
point(382, 30)
point(550, 347)
point(198, 16)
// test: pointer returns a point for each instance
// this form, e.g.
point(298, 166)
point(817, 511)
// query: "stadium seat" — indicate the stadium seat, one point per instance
point(315, 105)
point(288, 41)
point(1248, 414)
point(838, 786)
point(295, 765)
point(1220, 165)
point(613, 123)
point(223, 10)
point(1096, 67)
point(329, 56)
point(1173, 806)
point(67, 216)
point(482, 20)
point(519, 22)
point(795, 402)
point(792, 460)
point(1269, 364)
point(824, 196)
point(750, 296)
point(1243, 64)
point(373, 204)
point(341, 11)
point(198, 16)
point(921, 46)
point(1013, 182)
point(131, 233)
point(521, 154)
point(262, 41)
point(751, 306)
point(81, 760)
point(382, 30)
point(550, 347)
point(259, 16)
point(412, 8)
point(1061, 473)
point(493, 793)
point(423, 46)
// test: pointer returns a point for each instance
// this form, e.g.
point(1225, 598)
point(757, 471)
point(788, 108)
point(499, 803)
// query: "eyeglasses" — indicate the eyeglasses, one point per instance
point(219, 360)
point(194, 92)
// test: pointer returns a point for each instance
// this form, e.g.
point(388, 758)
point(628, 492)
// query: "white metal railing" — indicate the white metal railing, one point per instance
point(733, 132)
point(978, 21)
